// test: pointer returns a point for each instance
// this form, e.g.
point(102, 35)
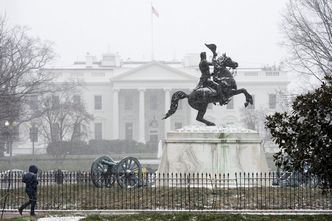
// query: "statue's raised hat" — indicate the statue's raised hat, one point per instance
point(212, 47)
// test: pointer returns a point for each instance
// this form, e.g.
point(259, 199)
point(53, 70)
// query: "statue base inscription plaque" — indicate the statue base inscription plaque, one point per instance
point(213, 150)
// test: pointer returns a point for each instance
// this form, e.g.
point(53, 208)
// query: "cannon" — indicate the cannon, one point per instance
point(105, 171)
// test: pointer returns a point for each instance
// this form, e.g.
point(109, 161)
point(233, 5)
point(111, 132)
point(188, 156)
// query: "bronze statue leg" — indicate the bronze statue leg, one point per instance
point(200, 118)
point(218, 88)
point(249, 99)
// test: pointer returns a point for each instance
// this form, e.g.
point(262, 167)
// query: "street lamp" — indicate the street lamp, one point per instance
point(9, 133)
point(33, 137)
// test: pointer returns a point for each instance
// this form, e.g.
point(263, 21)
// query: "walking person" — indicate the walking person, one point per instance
point(31, 182)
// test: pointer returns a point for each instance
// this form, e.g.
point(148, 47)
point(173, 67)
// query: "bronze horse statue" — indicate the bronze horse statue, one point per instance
point(200, 98)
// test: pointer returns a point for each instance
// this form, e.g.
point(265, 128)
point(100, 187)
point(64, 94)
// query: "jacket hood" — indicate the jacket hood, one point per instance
point(33, 169)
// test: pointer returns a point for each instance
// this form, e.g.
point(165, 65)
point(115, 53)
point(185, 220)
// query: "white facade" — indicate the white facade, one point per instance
point(136, 95)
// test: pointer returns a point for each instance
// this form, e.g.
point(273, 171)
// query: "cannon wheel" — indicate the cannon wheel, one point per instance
point(101, 174)
point(129, 172)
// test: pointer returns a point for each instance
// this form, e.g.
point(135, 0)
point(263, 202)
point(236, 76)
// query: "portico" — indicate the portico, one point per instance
point(142, 96)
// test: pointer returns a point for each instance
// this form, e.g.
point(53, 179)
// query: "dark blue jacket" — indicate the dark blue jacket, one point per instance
point(30, 179)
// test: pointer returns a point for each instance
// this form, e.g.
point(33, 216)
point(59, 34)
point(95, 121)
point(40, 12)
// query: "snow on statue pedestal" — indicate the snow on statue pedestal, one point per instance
point(212, 150)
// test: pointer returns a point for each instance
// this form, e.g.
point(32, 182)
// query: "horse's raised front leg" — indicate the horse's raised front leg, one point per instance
point(249, 99)
point(200, 118)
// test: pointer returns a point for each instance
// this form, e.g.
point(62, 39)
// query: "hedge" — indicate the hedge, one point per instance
point(100, 147)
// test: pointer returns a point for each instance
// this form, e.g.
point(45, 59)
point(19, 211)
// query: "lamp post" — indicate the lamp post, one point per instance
point(33, 137)
point(9, 134)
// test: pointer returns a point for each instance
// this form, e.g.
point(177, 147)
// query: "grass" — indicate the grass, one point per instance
point(87, 196)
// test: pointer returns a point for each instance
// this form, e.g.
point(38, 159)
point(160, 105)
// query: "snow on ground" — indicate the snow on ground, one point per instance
point(67, 218)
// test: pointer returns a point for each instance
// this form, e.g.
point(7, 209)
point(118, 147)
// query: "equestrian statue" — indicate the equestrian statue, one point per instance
point(218, 90)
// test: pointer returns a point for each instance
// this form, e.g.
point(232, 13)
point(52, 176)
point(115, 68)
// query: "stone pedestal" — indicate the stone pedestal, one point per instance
point(214, 150)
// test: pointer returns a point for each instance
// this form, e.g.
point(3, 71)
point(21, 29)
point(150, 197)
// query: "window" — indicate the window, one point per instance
point(154, 138)
point(272, 73)
point(178, 125)
point(55, 101)
point(272, 101)
point(129, 131)
point(153, 123)
point(252, 106)
point(253, 73)
point(77, 132)
point(76, 99)
point(55, 132)
point(34, 102)
point(128, 102)
point(98, 102)
point(76, 75)
point(153, 102)
point(98, 131)
point(230, 104)
point(98, 74)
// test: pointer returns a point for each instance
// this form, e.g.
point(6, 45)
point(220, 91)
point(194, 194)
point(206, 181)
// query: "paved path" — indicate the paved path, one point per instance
point(68, 218)
point(9, 215)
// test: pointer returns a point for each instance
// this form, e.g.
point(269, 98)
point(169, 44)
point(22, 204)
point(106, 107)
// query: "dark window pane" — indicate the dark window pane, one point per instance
point(272, 101)
point(129, 131)
point(98, 102)
point(98, 131)
point(76, 99)
point(153, 102)
point(128, 102)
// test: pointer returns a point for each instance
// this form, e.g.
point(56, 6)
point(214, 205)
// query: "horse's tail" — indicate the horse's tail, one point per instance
point(178, 95)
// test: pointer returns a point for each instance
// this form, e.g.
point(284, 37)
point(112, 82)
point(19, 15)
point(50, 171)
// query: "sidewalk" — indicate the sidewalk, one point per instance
point(68, 218)
point(51, 217)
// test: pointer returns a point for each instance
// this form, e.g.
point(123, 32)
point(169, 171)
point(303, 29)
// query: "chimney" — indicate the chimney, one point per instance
point(110, 60)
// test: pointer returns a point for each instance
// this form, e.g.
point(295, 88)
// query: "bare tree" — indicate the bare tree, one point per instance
point(307, 25)
point(22, 59)
point(63, 118)
point(255, 119)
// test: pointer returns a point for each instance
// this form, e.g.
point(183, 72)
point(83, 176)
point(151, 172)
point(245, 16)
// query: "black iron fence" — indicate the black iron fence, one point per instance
point(75, 190)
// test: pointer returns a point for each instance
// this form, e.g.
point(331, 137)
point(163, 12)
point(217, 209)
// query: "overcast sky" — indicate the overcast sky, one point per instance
point(247, 30)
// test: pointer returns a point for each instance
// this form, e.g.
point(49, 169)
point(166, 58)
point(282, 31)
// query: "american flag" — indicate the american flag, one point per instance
point(155, 12)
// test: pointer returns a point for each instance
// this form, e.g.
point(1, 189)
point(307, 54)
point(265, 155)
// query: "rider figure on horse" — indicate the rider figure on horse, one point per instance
point(223, 87)
point(204, 67)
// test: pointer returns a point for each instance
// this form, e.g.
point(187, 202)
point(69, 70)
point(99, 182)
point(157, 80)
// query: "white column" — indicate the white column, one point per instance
point(141, 117)
point(115, 115)
point(167, 106)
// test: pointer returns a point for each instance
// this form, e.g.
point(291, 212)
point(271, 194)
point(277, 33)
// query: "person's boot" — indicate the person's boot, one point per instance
point(222, 100)
point(32, 213)
point(20, 210)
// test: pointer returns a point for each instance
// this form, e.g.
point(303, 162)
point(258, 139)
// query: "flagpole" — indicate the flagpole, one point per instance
point(152, 40)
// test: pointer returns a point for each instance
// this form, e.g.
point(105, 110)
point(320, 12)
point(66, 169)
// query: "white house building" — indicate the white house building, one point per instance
point(129, 98)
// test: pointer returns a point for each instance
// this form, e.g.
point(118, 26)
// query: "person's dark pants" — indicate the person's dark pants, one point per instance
point(32, 201)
